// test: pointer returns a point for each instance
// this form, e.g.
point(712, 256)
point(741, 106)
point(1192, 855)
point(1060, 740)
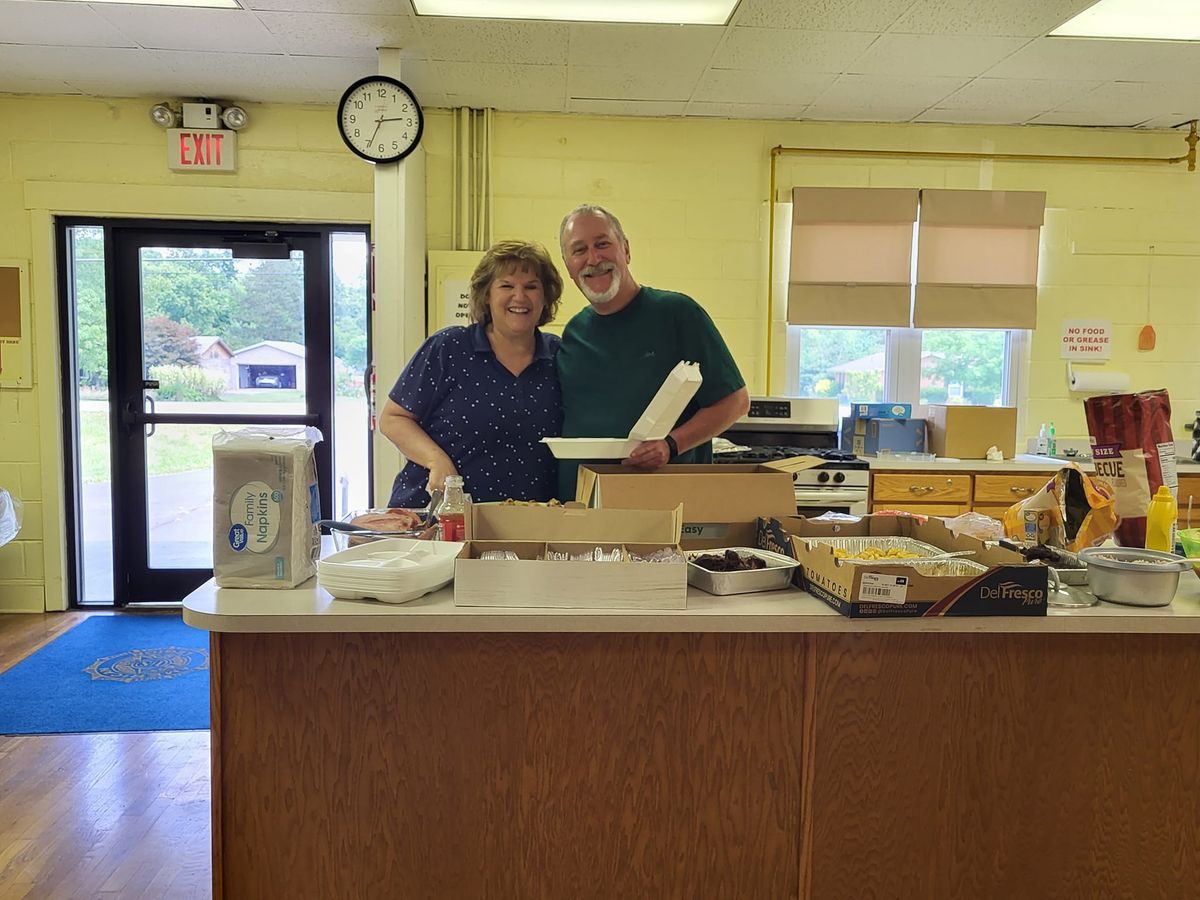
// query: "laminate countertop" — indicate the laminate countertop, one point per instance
point(310, 608)
point(1018, 465)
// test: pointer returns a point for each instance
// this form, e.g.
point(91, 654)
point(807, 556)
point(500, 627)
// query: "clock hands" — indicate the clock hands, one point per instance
point(371, 140)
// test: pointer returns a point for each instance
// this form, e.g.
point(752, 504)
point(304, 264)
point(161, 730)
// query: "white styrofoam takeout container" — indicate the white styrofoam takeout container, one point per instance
point(655, 423)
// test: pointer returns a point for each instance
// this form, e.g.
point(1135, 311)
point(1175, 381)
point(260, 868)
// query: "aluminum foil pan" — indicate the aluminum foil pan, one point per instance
point(854, 545)
point(776, 576)
point(954, 568)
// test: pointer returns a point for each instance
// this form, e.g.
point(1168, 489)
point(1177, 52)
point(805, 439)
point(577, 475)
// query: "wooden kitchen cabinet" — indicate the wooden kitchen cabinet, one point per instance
point(1189, 488)
point(994, 494)
point(923, 493)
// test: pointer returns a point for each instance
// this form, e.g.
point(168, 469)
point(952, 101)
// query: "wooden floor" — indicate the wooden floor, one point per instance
point(100, 815)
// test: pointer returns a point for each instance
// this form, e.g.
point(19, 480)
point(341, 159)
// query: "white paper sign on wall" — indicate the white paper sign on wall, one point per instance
point(456, 300)
point(1086, 340)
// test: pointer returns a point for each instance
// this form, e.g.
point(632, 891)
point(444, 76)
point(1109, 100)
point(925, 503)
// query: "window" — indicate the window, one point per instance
point(970, 367)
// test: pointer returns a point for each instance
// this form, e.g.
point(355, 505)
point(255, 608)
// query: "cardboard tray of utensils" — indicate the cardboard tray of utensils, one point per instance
point(1003, 584)
point(570, 557)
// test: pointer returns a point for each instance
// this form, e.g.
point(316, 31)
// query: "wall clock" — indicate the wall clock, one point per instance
point(380, 119)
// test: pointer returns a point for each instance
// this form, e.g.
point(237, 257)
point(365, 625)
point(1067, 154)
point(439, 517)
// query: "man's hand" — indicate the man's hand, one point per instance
point(648, 455)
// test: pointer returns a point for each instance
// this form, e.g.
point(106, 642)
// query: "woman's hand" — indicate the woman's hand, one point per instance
point(438, 472)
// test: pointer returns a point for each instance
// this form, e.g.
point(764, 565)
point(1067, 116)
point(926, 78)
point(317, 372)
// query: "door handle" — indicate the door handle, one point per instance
point(146, 398)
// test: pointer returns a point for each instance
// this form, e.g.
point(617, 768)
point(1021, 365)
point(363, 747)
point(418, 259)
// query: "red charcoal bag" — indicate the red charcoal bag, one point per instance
point(1133, 449)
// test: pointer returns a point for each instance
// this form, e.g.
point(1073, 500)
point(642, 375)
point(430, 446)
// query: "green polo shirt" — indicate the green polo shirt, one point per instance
point(610, 368)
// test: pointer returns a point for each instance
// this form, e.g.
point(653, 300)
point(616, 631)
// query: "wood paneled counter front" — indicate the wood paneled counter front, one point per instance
point(746, 747)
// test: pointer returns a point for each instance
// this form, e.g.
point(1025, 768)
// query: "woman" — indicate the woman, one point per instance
point(476, 401)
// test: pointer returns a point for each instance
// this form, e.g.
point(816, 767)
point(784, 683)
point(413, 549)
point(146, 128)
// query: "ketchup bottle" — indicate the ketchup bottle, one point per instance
point(451, 513)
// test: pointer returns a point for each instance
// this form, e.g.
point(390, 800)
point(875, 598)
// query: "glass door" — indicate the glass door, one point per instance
point(213, 328)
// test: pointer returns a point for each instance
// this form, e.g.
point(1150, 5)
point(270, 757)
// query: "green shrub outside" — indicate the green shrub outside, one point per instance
point(187, 383)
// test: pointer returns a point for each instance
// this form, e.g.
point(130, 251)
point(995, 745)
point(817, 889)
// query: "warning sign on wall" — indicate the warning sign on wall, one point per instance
point(1086, 340)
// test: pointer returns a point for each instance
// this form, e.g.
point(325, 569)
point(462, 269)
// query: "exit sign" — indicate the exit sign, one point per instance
point(201, 150)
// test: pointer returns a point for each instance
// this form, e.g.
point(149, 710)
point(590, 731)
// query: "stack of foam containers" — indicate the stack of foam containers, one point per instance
point(394, 570)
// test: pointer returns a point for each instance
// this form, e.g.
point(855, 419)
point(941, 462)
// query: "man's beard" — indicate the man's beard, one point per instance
point(606, 296)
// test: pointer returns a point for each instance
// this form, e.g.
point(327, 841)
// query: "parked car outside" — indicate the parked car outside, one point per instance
point(267, 381)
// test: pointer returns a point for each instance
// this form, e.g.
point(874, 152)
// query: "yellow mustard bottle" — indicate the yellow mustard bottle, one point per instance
point(1160, 521)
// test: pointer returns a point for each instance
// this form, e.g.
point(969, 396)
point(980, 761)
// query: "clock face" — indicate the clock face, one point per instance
point(380, 119)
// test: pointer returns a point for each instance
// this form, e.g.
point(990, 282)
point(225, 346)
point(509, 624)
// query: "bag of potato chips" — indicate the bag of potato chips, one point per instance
point(1072, 511)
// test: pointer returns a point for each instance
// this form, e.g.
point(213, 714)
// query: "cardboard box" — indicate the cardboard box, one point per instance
point(966, 432)
point(1009, 587)
point(881, 411)
point(866, 437)
point(533, 580)
point(721, 502)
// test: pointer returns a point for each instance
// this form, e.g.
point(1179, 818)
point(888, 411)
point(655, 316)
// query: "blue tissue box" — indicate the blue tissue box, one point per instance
point(866, 437)
point(881, 410)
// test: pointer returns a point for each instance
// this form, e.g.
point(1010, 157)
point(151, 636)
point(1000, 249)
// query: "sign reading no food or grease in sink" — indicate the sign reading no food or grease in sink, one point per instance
point(1086, 340)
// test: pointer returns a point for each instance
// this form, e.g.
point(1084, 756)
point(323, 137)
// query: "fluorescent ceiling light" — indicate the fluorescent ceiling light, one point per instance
point(668, 12)
point(219, 4)
point(1137, 20)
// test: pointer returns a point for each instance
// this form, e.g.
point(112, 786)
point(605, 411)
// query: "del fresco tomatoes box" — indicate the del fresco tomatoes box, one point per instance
point(1007, 587)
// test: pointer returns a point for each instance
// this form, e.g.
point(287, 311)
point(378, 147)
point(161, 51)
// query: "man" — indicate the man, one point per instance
point(616, 352)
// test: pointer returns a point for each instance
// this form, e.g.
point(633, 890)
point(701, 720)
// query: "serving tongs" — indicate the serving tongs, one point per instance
point(428, 519)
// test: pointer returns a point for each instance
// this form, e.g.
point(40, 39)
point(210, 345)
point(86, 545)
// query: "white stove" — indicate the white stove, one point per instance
point(781, 427)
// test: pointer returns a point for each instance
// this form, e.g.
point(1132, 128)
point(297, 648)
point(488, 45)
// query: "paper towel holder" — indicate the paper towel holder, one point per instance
point(1095, 380)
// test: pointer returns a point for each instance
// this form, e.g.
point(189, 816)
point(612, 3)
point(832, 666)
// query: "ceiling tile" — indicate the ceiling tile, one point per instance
point(494, 40)
point(1109, 120)
point(58, 25)
point(821, 15)
point(934, 54)
point(998, 115)
point(344, 7)
point(77, 64)
point(1127, 96)
point(643, 46)
point(1012, 18)
point(509, 87)
point(747, 110)
point(986, 93)
point(340, 35)
point(12, 83)
point(627, 107)
point(873, 112)
point(791, 51)
point(859, 91)
point(188, 28)
point(738, 86)
point(1075, 60)
point(601, 83)
point(249, 78)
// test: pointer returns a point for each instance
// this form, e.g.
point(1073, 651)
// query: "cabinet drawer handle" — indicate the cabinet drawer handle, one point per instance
point(921, 488)
point(1021, 490)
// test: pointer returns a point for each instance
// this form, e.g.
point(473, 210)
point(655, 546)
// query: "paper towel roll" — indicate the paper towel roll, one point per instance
point(1097, 381)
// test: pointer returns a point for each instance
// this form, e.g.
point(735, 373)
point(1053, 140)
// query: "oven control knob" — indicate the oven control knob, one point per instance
point(822, 477)
point(839, 477)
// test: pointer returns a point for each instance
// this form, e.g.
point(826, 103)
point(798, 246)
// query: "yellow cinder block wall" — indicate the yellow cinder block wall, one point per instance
point(691, 193)
point(692, 196)
point(82, 156)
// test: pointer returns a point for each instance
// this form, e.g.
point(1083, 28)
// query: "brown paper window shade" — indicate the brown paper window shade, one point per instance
point(977, 256)
point(10, 302)
point(851, 256)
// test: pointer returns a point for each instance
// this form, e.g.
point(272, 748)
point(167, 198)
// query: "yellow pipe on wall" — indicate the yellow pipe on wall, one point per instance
point(1193, 137)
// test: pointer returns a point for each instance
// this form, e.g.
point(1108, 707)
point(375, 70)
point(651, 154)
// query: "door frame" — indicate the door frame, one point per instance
point(130, 545)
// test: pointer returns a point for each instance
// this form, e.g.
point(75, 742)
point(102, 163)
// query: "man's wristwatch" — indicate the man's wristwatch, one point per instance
point(672, 447)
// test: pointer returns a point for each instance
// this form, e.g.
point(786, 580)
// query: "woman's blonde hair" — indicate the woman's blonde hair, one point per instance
point(511, 256)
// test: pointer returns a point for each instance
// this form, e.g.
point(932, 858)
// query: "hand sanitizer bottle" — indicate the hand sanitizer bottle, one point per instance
point(1051, 442)
point(1042, 442)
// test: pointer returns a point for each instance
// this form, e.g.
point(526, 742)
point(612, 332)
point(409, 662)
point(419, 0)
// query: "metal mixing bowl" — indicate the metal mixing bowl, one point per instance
point(1115, 575)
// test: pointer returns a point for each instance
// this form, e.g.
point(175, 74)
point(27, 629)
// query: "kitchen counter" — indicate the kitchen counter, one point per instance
point(310, 608)
point(760, 746)
point(1020, 463)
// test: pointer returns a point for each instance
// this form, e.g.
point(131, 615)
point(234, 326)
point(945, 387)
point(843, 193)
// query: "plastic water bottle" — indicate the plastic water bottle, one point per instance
point(1161, 517)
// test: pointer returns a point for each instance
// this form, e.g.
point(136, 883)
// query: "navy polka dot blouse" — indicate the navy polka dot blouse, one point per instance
point(489, 421)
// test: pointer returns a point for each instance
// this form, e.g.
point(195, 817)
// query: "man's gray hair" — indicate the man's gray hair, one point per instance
point(589, 209)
